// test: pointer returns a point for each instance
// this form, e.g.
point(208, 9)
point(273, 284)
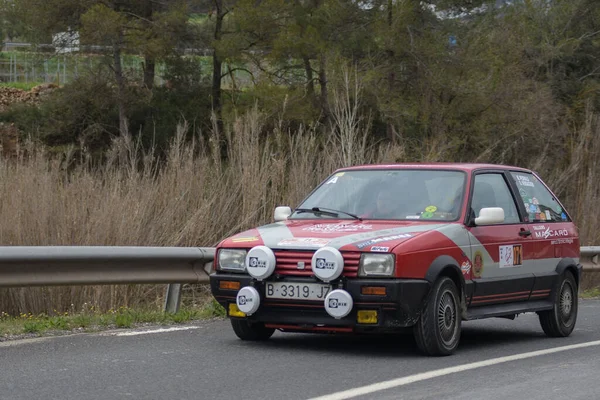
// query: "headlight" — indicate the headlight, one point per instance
point(376, 265)
point(232, 260)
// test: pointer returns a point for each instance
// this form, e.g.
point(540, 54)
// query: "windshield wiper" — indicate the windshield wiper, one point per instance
point(326, 211)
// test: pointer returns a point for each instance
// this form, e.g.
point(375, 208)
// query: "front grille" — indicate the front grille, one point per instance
point(287, 263)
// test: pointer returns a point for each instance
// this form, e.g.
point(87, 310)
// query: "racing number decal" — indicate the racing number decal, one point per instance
point(511, 256)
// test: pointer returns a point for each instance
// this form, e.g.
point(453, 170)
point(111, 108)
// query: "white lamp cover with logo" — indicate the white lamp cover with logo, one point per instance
point(260, 262)
point(248, 300)
point(327, 264)
point(338, 303)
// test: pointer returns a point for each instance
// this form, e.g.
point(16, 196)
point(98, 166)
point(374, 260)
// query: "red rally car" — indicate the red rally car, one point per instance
point(383, 248)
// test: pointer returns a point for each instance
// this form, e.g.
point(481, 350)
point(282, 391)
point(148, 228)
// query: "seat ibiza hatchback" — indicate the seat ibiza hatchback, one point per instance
point(383, 248)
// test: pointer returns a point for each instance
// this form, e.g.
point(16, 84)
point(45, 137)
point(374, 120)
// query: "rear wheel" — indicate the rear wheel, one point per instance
point(560, 321)
point(438, 330)
point(247, 330)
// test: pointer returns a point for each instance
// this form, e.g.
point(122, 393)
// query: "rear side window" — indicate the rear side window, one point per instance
point(539, 203)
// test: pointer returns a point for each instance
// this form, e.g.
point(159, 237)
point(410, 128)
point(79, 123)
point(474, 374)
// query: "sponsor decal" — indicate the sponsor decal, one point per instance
point(542, 217)
point(511, 256)
point(563, 216)
point(562, 241)
point(431, 209)
point(445, 215)
point(465, 267)
point(523, 193)
point(548, 233)
point(380, 249)
point(340, 174)
point(535, 201)
point(324, 264)
point(524, 180)
point(427, 215)
point(254, 262)
point(413, 217)
point(548, 216)
point(477, 264)
point(332, 180)
point(303, 241)
point(539, 227)
point(533, 208)
point(383, 239)
point(244, 239)
point(328, 228)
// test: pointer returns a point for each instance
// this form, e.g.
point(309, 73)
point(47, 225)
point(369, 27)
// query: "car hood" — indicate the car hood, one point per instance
point(340, 234)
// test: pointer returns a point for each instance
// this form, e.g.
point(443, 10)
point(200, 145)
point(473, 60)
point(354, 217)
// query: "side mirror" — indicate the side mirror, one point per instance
point(282, 213)
point(490, 216)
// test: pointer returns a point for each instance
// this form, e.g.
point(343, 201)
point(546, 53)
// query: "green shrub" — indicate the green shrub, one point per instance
point(82, 321)
point(85, 112)
point(123, 321)
point(213, 310)
point(34, 327)
point(184, 316)
point(106, 320)
point(60, 323)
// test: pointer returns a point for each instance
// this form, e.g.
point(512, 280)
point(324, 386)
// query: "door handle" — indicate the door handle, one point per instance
point(525, 233)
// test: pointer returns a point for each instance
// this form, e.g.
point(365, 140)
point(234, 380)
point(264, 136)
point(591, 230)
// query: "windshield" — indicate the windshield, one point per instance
point(400, 194)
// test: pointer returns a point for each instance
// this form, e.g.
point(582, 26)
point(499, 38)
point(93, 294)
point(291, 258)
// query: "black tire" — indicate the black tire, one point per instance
point(246, 330)
point(560, 321)
point(437, 331)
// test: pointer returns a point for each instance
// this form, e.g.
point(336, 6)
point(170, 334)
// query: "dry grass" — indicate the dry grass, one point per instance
point(193, 199)
point(196, 199)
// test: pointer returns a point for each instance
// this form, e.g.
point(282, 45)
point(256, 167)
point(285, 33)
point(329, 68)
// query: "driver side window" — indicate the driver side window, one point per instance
point(491, 190)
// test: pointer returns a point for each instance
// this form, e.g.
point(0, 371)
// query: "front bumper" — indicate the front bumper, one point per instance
point(399, 308)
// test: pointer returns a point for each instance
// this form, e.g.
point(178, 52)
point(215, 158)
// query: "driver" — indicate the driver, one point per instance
point(386, 205)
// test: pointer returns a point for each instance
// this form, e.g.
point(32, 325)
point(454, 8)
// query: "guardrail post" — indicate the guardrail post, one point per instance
point(173, 298)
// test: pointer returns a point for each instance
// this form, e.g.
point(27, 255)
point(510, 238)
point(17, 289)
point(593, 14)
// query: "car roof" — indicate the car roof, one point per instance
point(467, 167)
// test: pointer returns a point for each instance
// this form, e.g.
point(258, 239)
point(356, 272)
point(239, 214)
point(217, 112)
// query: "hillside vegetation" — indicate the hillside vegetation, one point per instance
point(294, 90)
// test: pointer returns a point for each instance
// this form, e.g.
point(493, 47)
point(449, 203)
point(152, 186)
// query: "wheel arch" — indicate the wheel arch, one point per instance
point(447, 266)
point(569, 264)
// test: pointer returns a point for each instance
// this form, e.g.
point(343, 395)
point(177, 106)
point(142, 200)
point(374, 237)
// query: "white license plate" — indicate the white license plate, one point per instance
point(296, 291)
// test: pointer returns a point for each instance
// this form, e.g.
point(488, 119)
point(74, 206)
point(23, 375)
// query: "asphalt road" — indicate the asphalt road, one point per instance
point(207, 361)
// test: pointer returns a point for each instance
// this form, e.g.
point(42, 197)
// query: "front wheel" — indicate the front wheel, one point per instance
point(560, 321)
point(246, 330)
point(437, 332)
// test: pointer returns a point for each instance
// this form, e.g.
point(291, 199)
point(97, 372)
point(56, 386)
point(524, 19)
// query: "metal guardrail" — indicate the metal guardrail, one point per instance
point(97, 265)
point(590, 258)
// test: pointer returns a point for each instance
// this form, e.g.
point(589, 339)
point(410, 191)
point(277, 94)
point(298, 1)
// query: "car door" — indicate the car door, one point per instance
point(554, 236)
point(498, 252)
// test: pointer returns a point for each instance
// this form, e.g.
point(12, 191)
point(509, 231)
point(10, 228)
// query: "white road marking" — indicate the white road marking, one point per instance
point(376, 387)
point(159, 330)
point(18, 342)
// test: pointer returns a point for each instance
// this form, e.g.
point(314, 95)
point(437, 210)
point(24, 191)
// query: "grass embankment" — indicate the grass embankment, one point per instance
point(91, 321)
point(20, 85)
point(590, 293)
